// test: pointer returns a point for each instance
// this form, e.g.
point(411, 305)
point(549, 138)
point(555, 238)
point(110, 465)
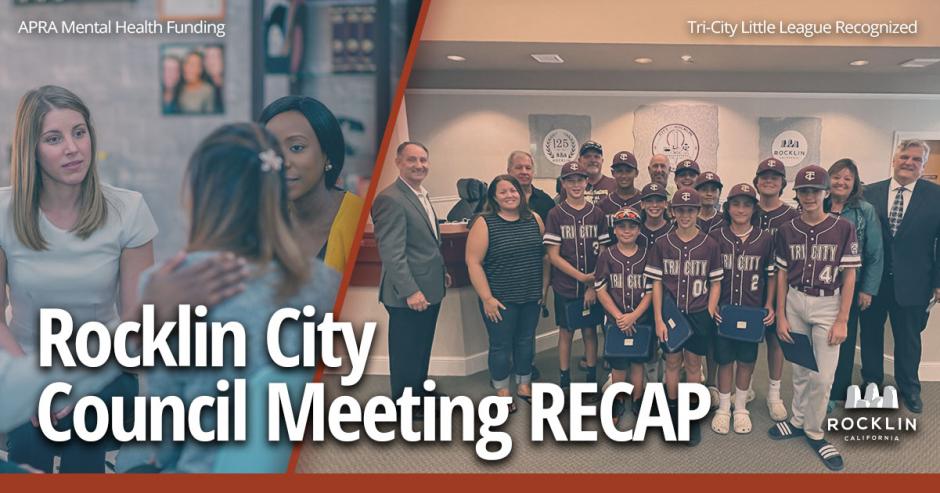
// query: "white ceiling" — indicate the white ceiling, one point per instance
point(599, 66)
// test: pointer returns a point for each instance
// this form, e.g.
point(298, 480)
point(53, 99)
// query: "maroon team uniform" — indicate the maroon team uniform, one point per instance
point(687, 270)
point(812, 257)
point(613, 202)
point(624, 279)
point(771, 220)
point(712, 223)
point(649, 236)
point(577, 234)
point(748, 266)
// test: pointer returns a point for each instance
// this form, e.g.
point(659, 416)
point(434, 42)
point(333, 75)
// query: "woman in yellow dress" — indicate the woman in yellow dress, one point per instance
point(325, 215)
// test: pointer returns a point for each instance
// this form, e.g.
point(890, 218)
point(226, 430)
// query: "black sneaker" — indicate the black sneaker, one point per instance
point(565, 379)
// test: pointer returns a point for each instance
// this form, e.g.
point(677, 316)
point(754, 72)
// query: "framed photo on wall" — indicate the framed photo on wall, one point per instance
point(932, 166)
point(192, 79)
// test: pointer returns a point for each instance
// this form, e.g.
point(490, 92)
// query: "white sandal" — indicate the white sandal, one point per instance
point(778, 412)
point(721, 422)
point(742, 421)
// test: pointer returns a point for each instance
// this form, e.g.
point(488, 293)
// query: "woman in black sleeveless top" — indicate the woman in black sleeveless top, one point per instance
point(506, 262)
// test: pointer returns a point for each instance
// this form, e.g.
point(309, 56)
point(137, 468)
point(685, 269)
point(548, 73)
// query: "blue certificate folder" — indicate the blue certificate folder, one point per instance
point(617, 344)
point(742, 323)
point(677, 325)
point(579, 318)
point(800, 352)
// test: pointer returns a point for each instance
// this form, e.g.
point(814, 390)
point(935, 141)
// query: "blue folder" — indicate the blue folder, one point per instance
point(580, 318)
point(678, 328)
point(742, 323)
point(617, 344)
point(800, 352)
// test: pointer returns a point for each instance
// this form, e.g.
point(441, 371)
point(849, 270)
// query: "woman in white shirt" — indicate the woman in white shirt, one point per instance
point(66, 241)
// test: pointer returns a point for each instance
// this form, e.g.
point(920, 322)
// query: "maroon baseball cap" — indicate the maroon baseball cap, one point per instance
point(624, 215)
point(624, 158)
point(707, 177)
point(687, 164)
point(772, 164)
point(742, 190)
point(590, 146)
point(812, 176)
point(572, 168)
point(653, 190)
point(686, 197)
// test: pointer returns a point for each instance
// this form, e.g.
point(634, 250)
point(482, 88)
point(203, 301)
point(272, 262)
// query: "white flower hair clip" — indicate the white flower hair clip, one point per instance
point(270, 161)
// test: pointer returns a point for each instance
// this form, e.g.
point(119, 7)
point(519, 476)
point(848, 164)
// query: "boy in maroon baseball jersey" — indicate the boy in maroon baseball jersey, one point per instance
point(656, 223)
point(626, 195)
point(686, 264)
point(770, 180)
point(572, 234)
point(709, 186)
point(687, 172)
point(747, 256)
point(622, 291)
point(625, 172)
point(656, 220)
point(817, 255)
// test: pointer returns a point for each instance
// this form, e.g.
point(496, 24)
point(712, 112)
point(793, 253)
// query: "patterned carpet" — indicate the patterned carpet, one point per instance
point(753, 453)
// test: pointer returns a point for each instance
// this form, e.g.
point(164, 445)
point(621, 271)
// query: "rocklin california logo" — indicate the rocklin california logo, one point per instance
point(790, 147)
point(878, 425)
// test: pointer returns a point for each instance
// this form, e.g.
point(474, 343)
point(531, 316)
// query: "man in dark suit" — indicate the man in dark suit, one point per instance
point(413, 275)
point(907, 207)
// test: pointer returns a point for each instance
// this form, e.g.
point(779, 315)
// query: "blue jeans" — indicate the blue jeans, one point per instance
point(27, 445)
point(512, 343)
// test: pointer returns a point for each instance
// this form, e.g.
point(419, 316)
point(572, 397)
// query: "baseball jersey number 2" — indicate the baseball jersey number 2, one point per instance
point(754, 281)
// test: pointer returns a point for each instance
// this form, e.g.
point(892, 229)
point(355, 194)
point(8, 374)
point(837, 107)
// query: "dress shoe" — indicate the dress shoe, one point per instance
point(913, 403)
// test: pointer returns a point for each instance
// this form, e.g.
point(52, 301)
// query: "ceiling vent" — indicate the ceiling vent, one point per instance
point(551, 58)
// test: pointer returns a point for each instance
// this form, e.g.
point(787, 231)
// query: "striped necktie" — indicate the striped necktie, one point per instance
point(897, 211)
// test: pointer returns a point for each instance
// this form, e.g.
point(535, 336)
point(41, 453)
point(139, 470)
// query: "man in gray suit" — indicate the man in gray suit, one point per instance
point(413, 275)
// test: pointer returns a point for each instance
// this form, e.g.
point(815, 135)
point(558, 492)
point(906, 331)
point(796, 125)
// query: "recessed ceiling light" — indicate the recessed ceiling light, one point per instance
point(548, 58)
point(920, 62)
point(643, 60)
point(858, 63)
point(686, 59)
point(456, 58)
